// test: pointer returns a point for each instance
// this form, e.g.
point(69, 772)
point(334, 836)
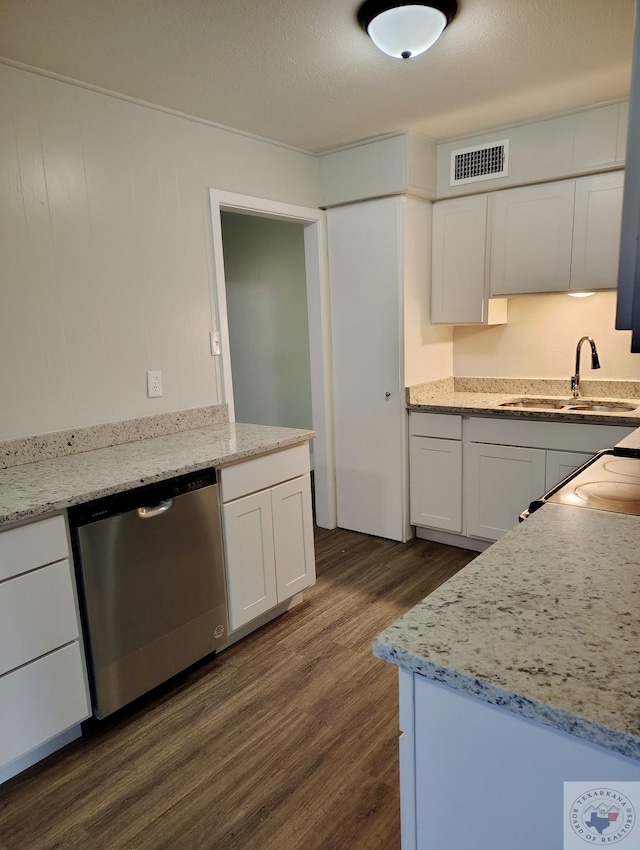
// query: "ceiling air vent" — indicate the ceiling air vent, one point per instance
point(482, 162)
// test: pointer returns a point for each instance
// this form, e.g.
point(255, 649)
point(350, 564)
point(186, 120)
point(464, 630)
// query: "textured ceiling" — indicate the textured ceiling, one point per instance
point(305, 74)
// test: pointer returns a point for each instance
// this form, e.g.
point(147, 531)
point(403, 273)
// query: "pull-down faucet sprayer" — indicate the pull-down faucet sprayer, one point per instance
point(595, 364)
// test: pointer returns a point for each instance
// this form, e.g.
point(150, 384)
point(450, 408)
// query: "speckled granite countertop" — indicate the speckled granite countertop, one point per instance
point(545, 623)
point(30, 490)
point(483, 397)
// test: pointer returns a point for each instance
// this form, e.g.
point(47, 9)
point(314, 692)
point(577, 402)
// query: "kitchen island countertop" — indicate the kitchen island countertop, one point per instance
point(545, 623)
point(31, 490)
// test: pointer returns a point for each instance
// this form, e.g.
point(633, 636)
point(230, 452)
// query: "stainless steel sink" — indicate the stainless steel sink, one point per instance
point(590, 405)
point(602, 406)
point(545, 403)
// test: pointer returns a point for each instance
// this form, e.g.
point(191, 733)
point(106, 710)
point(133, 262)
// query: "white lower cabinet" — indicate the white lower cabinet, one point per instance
point(501, 481)
point(561, 464)
point(268, 534)
point(293, 537)
point(41, 700)
point(462, 759)
point(435, 471)
point(436, 483)
point(43, 684)
point(471, 477)
point(251, 571)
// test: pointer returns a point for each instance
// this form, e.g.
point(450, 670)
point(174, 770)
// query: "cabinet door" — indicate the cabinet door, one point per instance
point(459, 236)
point(41, 700)
point(293, 537)
point(561, 464)
point(596, 233)
point(531, 237)
point(251, 572)
point(501, 482)
point(436, 483)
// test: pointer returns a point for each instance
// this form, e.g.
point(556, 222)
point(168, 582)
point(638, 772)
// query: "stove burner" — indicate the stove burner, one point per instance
point(622, 466)
point(608, 482)
point(610, 495)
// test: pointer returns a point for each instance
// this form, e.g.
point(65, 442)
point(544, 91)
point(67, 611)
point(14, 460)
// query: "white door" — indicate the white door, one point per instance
point(502, 481)
point(365, 262)
point(436, 483)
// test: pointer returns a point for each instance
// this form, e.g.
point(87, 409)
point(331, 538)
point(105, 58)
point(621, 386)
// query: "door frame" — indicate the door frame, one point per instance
point(319, 324)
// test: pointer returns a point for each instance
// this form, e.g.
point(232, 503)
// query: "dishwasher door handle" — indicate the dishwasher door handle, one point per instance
point(156, 510)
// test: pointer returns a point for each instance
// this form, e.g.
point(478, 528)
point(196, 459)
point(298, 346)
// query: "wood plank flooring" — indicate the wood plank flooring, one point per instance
point(287, 740)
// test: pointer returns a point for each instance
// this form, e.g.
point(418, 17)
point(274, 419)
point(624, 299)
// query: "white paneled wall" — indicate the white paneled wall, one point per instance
point(105, 253)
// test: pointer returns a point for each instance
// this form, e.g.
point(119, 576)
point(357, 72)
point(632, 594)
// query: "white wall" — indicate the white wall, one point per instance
point(539, 341)
point(106, 255)
point(427, 348)
point(265, 278)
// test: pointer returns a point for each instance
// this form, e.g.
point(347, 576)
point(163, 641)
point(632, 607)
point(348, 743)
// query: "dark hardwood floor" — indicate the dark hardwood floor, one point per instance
point(287, 740)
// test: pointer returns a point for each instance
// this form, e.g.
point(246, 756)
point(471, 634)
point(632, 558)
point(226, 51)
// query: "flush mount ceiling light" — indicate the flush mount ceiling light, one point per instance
point(405, 29)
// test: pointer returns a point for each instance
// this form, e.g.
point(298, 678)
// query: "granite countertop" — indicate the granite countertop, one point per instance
point(30, 490)
point(489, 403)
point(545, 623)
point(483, 397)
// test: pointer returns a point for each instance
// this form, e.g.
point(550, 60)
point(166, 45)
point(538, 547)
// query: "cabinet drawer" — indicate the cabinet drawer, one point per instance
point(37, 615)
point(563, 436)
point(30, 546)
point(262, 472)
point(445, 426)
point(40, 701)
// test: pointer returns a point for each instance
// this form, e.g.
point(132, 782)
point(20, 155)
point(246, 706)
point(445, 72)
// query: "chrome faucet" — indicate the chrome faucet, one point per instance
point(595, 364)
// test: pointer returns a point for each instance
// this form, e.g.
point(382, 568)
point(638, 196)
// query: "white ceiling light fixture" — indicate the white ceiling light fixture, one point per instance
point(580, 294)
point(405, 29)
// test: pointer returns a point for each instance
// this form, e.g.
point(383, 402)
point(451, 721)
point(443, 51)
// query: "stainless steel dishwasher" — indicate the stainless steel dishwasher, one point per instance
point(150, 565)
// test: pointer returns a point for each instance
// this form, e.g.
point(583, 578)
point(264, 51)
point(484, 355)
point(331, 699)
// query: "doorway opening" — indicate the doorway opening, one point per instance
point(273, 315)
point(267, 317)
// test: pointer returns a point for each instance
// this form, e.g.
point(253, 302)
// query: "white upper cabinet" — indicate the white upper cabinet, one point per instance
point(458, 260)
point(531, 239)
point(556, 237)
point(596, 231)
point(459, 293)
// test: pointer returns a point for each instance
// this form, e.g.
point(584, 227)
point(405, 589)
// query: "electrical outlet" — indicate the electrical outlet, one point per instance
point(154, 384)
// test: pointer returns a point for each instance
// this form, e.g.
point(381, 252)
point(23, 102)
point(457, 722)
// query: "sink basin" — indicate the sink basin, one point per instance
point(590, 405)
point(602, 406)
point(545, 403)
